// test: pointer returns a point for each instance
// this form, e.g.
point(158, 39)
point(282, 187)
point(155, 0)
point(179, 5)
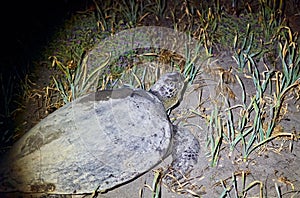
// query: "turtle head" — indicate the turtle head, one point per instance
point(169, 89)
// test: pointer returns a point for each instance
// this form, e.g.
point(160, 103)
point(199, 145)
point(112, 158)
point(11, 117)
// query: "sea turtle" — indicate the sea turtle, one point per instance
point(100, 141)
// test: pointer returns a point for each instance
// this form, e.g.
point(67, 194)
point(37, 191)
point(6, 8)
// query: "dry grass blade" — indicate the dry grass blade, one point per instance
point(156, 185)
point(253, 184)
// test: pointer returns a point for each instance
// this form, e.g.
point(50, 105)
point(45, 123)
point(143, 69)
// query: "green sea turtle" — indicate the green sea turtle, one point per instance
point(100, 141)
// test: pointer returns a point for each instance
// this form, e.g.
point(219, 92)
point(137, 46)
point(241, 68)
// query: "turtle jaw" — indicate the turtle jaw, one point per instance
point(170, 103)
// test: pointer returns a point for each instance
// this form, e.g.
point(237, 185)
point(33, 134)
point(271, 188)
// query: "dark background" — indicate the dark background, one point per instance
point(26, 27)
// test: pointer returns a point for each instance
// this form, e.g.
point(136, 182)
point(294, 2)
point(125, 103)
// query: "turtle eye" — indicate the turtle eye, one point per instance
point(172, 84)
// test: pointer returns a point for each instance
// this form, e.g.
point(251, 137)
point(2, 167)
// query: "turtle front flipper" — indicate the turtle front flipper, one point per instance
point(185, 154)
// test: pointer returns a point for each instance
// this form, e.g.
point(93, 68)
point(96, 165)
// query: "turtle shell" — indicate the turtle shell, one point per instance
point(96, 142)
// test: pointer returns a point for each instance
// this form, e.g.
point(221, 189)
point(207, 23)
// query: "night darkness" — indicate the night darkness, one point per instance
point(27, 26)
